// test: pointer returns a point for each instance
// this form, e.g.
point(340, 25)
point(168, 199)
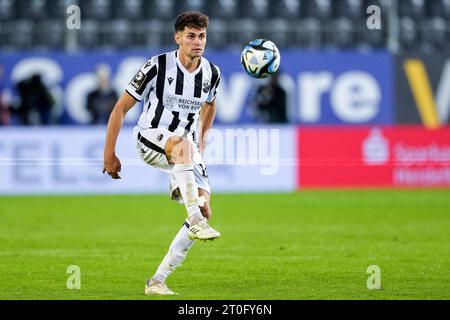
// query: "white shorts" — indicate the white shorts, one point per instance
point(150, 145)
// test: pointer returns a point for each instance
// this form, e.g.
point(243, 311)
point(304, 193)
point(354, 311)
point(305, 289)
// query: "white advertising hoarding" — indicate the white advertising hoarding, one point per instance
point(69, 160)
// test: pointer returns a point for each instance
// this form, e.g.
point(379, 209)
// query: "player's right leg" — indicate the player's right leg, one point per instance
point(180, 153)
point(176, 254)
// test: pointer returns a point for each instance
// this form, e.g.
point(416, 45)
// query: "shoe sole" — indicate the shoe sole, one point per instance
point(159, 294)
point(192, 238)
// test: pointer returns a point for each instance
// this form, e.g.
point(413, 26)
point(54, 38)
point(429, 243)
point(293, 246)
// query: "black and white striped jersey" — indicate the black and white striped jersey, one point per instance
point(173, 96)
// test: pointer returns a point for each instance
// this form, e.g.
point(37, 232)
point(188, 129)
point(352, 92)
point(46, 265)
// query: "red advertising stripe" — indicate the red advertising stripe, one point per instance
point(403, 156)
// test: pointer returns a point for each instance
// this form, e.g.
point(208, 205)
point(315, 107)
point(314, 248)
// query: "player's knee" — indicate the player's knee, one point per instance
point(185, 152)
point(182, 151)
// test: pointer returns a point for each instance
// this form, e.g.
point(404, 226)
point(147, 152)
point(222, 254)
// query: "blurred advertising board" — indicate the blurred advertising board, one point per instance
point(402, 156)
point(422, 89)
point(321, 87)
point(69, 160)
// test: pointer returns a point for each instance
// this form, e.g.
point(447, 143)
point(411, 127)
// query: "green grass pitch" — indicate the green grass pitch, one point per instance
point(304, 245)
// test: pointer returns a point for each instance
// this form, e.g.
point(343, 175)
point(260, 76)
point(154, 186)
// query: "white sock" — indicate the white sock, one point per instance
point(176, 254)
point(184, 175)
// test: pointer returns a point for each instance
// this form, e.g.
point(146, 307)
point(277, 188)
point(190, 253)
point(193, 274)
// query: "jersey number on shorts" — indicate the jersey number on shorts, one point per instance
point(204, 172)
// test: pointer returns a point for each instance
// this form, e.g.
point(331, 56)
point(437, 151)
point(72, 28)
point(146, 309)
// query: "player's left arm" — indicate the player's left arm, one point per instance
point(207, 115)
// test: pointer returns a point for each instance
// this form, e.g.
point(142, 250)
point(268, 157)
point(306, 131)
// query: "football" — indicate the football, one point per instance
point(260, 58)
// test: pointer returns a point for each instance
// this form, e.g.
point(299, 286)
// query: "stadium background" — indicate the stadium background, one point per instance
point(336, 71)
point(366, 107)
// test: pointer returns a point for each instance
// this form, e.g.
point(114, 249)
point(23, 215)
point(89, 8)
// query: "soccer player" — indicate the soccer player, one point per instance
point(179, 90)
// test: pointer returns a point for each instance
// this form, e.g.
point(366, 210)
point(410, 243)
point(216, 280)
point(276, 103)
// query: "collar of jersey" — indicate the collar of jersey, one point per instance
point(185, 71)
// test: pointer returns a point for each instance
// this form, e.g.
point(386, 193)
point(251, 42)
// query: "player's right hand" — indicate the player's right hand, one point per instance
point(111, 165)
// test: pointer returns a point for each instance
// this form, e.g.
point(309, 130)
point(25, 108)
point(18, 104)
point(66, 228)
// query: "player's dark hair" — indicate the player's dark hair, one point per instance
point(191, 19)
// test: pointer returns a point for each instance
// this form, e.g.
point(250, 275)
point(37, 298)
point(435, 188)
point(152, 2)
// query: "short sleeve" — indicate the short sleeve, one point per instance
point(143, 79)
point(215, 81)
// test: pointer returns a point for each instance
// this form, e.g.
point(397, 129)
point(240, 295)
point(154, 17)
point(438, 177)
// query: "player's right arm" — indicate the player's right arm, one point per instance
point(143, 79)
point(111, 164)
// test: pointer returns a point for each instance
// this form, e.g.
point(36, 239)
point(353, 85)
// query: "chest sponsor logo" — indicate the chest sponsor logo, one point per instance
point(171, 102)
point(175, 102)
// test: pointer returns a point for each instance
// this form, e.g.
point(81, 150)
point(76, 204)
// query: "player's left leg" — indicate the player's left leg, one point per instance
point(178, 250)
point(206, 208)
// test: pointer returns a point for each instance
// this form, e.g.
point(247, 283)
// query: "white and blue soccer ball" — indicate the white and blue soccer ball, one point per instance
point(260, 58)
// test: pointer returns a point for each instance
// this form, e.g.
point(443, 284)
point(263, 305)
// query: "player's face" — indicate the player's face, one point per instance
point(192, 41)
